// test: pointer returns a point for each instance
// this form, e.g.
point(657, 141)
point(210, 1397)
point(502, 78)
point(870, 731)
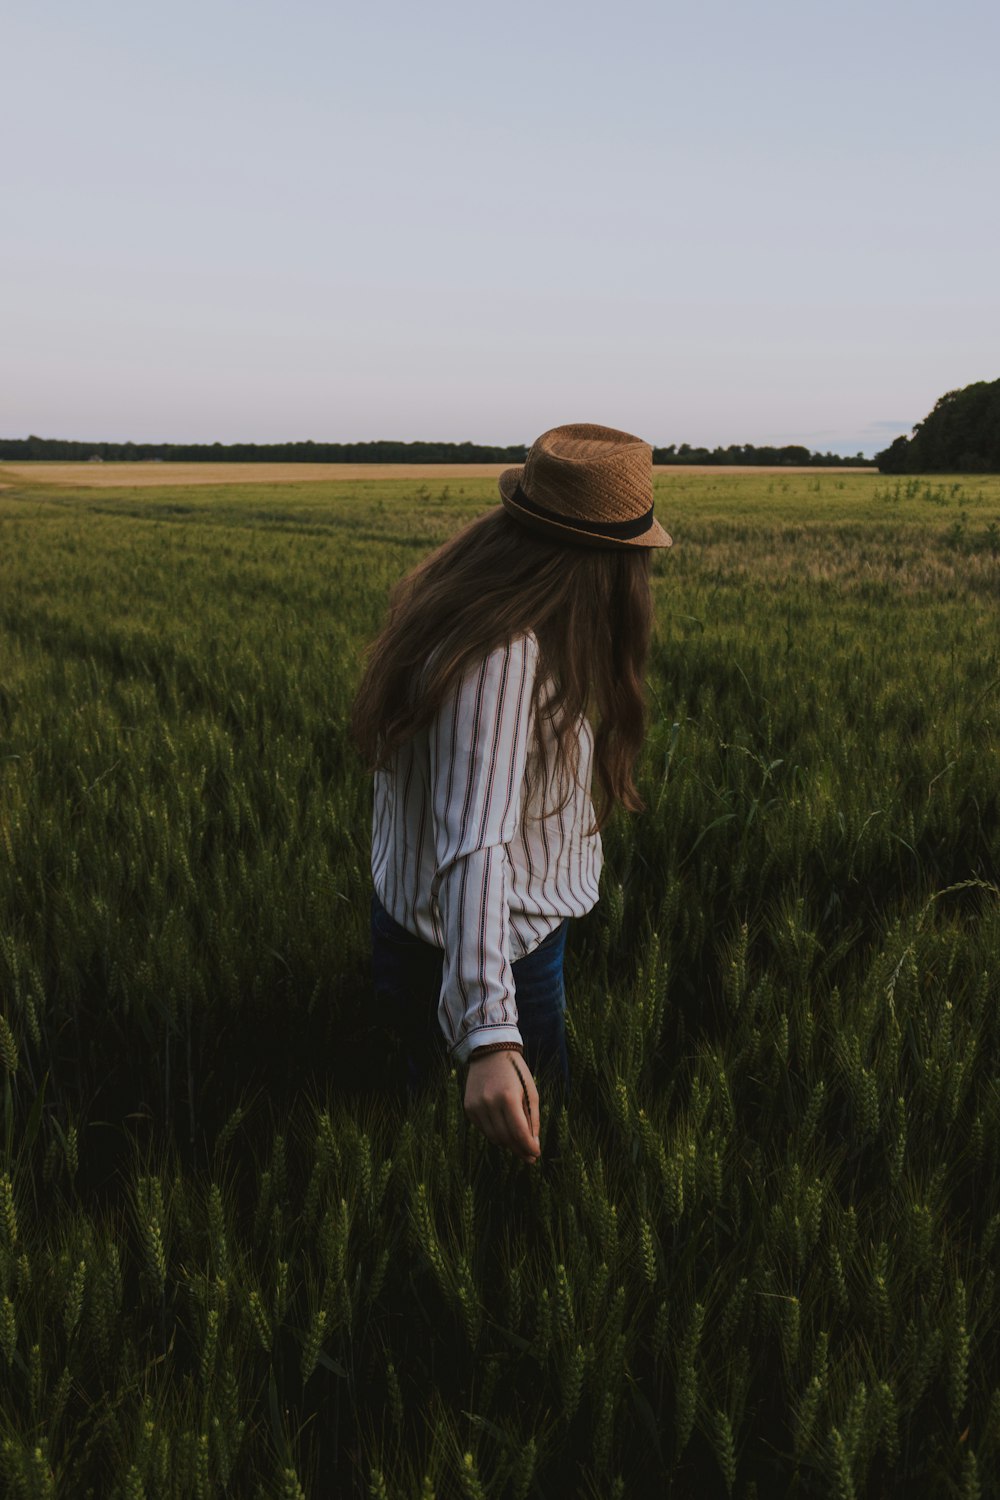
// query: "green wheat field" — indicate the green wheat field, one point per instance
point(758, 1257)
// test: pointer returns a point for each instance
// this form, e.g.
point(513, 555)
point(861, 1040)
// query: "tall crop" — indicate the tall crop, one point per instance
point(234, 1258)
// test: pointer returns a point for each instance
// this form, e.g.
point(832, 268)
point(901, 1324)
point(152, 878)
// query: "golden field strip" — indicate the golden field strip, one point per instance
point(115, 475)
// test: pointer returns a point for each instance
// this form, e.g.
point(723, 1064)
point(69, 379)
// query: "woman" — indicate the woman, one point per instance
point(473, 716)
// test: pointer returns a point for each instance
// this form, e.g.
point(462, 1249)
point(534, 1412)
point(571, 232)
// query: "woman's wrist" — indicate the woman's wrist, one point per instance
point(495, 1047)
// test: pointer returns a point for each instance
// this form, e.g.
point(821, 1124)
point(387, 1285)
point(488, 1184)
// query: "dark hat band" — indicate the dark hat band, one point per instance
point(611, 529)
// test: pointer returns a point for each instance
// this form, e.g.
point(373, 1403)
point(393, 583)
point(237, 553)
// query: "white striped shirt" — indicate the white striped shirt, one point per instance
point(462, 859)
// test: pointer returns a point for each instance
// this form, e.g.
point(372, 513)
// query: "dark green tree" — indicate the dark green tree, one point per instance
point(961, 435)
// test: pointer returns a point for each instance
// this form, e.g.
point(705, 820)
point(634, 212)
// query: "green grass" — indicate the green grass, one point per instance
point(233, 1260)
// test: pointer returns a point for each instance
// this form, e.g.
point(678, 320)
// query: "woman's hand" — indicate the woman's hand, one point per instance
point(501, 1098)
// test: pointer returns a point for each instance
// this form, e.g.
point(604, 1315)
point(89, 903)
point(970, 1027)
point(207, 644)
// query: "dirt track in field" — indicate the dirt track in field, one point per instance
point(112, 475)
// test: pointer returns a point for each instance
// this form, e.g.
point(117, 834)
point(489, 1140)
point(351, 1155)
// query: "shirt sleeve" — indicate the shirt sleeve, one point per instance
point(478, 747)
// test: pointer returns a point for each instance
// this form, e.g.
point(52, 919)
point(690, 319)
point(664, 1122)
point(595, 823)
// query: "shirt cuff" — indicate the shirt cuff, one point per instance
point(480, 1037)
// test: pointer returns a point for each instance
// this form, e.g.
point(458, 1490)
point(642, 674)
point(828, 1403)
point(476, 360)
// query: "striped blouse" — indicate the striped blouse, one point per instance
point(461, 858)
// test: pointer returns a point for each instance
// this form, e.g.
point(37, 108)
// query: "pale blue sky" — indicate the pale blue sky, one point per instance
point(706, 222)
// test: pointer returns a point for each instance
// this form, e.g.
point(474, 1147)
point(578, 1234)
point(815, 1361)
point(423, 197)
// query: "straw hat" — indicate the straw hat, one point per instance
point(587, 484)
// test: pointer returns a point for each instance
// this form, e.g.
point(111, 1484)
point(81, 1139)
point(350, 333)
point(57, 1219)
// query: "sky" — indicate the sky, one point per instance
point(708, 222)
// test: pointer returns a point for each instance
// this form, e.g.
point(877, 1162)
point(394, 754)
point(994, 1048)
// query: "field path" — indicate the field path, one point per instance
point(113, 475)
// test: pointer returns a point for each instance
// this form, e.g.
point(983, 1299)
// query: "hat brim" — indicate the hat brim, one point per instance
point(654, 536)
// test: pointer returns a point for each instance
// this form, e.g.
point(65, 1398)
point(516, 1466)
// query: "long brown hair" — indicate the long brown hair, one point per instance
point(589, 608)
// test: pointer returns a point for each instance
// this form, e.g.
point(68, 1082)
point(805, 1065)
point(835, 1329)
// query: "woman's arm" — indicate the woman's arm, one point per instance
point(478, 746)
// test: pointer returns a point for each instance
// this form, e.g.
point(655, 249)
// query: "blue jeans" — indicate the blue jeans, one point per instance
point(408, 972)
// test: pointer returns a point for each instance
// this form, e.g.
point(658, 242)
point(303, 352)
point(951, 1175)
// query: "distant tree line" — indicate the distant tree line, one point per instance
point(961, 435)
point(380, 452)
point(747, 453)
point(387, 452)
